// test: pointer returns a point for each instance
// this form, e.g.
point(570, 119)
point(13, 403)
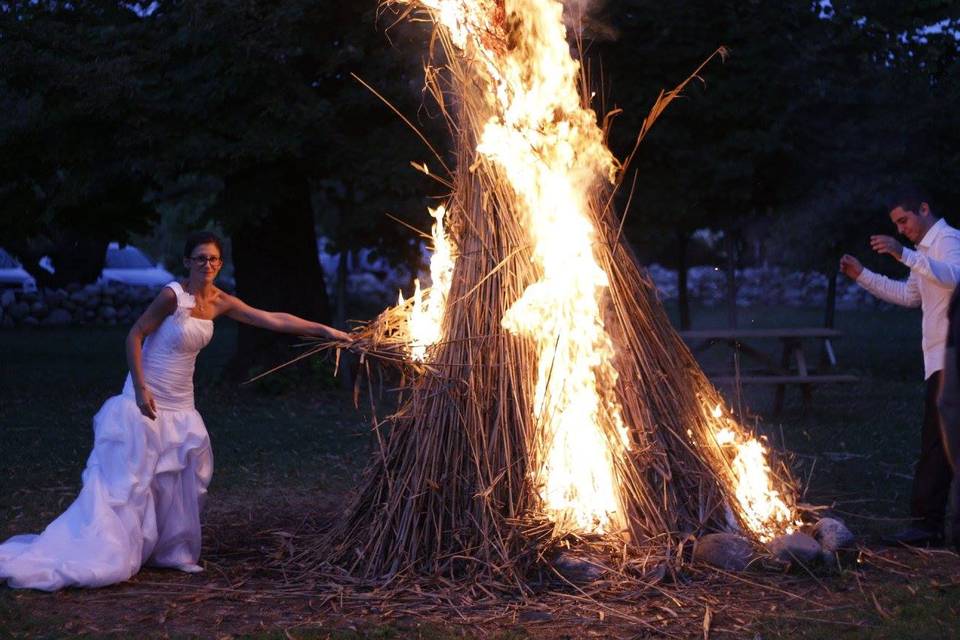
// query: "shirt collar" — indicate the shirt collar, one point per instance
point(932, 234)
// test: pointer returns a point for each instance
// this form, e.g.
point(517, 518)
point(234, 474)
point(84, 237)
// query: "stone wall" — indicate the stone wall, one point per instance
point(121, 304)
point(106, 304)
point(763, 287)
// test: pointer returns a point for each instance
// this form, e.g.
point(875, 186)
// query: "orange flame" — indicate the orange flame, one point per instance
point(761, 505)
point(551, 151)
point(424, 325)
point(552, 154)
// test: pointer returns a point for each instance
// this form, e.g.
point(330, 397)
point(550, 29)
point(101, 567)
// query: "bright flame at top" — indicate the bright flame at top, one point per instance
point(552, 153)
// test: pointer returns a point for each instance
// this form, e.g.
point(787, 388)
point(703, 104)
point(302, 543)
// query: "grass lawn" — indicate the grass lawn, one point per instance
point(287, 451)
point(307, 436)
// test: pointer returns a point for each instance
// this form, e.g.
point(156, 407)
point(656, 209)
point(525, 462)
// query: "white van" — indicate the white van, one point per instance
point(130, 265)
point(13, 275)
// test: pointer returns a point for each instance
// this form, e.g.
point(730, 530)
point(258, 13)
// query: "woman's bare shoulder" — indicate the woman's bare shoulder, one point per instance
point(224, 301)
point(166, 297)
point(224, 296)
point(163, 305)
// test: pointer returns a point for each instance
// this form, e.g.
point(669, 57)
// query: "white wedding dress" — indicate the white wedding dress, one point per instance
point(144, 482)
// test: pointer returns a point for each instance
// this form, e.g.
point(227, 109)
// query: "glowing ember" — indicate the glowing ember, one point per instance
point(552, 154)
point(761, 505)
point(725, 436)
point(424, 324)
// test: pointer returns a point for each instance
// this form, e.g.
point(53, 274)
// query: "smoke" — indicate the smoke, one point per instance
point(587, 19)
point(580, 6)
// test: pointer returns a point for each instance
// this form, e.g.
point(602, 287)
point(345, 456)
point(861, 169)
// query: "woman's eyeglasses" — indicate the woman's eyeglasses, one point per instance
point(214, 261)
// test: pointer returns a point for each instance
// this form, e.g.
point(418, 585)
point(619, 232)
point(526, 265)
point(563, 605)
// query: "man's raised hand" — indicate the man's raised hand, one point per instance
point(850, 266)
point(886, 244)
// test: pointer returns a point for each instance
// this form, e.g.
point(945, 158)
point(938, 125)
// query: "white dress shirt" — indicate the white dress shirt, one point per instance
point(934, 273)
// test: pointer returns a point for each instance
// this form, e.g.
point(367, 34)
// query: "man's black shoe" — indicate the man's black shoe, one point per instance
point(916, 537)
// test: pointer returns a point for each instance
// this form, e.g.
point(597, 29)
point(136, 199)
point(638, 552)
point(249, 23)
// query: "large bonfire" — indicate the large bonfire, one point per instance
point(549, 402)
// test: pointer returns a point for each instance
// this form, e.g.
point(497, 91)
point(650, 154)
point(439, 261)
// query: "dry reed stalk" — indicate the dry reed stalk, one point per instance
point(452, 491)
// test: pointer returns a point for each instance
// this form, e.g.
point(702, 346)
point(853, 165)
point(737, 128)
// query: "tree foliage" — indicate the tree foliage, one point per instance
point(236, 112)
point(242, 114)
point(814, 115)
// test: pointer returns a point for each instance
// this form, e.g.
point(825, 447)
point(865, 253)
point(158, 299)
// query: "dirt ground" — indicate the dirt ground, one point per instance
point(284, 460)
point(244, 592)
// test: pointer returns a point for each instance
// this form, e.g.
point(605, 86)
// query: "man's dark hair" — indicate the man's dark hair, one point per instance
point(197, 238)
point(909, 197)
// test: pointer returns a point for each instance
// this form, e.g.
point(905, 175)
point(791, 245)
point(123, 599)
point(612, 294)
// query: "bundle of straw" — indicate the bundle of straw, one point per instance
point(452, 489)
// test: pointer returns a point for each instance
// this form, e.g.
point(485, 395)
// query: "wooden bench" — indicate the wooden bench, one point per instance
point(793, 368)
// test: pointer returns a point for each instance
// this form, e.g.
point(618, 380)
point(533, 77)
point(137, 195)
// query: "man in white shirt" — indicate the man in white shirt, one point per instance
point(934, 274)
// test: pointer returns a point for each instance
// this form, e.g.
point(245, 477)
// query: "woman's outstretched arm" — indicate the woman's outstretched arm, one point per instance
point(162, 306)
point(280, 322)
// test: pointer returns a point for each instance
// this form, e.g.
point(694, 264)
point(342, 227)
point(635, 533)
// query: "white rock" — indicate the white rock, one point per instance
point(19, 310)
point(795, 547)
point(58, 317)
point(577, 569)
point(726, 551)
point(833, 535)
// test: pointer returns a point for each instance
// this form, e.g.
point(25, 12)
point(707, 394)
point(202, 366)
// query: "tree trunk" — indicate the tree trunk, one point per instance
point(831, 308)
point(347, 359)
point(77, 258)
point(683, 295)
point(730, 245)
point(276, 263)
point(340, 318)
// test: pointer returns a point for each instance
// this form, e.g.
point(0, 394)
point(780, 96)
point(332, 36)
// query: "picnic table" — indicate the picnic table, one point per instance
point(758, 367)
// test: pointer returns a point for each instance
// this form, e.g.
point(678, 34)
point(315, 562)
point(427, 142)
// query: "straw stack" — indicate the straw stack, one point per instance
point(451, 490)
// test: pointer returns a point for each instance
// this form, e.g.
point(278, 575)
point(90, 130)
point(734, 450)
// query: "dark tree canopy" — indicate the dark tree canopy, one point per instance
point(240, 112)
point(810, 119)
point(246, 115)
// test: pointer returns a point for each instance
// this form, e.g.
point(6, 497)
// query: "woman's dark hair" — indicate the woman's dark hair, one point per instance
point(197, 238)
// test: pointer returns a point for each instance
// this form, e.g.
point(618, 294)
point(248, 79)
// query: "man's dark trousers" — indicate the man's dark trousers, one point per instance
point(931, 480)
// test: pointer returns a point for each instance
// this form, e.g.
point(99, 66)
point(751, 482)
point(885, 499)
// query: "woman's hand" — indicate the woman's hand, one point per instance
point(336, 334)
point(146, 403)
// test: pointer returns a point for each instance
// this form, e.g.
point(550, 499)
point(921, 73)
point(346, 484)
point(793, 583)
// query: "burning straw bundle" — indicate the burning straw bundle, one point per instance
point(557, 404)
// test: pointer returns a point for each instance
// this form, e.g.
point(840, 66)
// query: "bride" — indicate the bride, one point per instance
point(151, 462)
